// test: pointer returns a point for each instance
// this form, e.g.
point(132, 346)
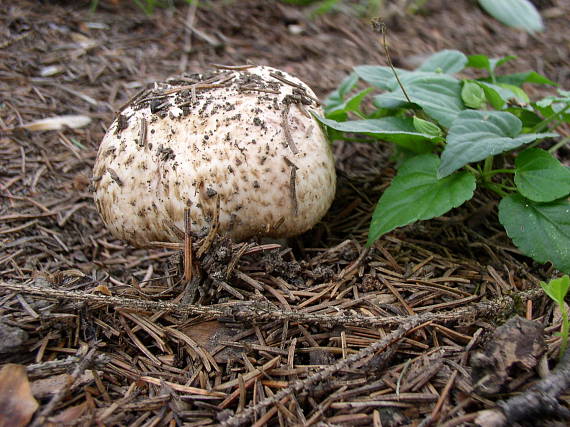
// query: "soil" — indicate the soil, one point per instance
point(318, 330)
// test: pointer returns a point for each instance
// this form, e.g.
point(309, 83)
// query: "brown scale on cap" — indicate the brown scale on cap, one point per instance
point(245, 137)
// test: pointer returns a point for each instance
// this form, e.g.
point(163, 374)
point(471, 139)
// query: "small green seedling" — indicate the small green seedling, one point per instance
point(454, 135)
point(557, 289)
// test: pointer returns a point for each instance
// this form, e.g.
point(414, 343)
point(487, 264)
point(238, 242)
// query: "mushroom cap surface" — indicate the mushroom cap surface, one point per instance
point(239, 144)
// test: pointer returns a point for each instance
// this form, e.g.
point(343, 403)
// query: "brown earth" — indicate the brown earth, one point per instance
point(341, 335)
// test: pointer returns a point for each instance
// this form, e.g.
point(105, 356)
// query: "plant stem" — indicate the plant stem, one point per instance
point(508, 187)
point(544, 124)
point(564, 331)
point(488, 166)
point(492, 75)
point(474, 171)
point(494, 172)
point(389, 59)
point(559, 144)
point(495, 188)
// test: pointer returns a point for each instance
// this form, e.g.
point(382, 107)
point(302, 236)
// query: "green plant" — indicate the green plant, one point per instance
point(514, 13)
point(557, 289)
point(453, 135)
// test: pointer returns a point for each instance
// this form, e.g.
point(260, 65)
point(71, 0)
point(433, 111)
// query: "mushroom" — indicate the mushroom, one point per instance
point(237, 145)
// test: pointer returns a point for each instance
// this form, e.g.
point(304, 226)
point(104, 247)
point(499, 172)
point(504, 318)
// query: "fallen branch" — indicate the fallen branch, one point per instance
point(134, 303)
point(260, 312)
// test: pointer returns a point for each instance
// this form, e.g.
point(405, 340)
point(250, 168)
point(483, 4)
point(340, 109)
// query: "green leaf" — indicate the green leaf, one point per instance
point(518, 79)
point(494, 94)
point(528, 117)
point(499, 94)
point(417, 194)
point(336, 97)
point(520, 95)
point(352, 104)
point(514, 13)
point(558, 110)
point(400, 154)
point(539, 230)
point(381, 77)
point(323, 7)
point(476, 135)
point(557, 289)
point(398, 130)
point(473, 95)
point(551, 105)
point(425, 127)
point(445, 61)
point(489, 64)
point(346, 86)
point(439, 95)
point(563, 99)
point(541, 177)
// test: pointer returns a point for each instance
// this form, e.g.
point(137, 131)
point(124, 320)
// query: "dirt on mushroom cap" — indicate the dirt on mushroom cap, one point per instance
point(241, 139)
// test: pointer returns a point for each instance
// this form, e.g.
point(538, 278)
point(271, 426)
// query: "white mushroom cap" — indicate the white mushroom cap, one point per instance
point(244, 138)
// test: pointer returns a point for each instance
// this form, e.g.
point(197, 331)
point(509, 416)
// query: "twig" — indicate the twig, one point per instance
point(292, 186)
point(254, 311)
point(286, 81)
point(287, 129)
point(213, 230)
point(44, 413)
point(15, 39)
point(435, 413)
point(142, 132)
point(52, 367)
point(134, 303)
point(306, 384)
point(233, 67)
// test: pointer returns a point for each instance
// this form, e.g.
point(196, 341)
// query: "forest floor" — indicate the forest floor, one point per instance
point(321, 331)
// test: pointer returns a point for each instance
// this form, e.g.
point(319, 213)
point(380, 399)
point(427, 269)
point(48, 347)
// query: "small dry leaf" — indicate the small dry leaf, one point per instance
point(58, 123)
point(17, 404)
